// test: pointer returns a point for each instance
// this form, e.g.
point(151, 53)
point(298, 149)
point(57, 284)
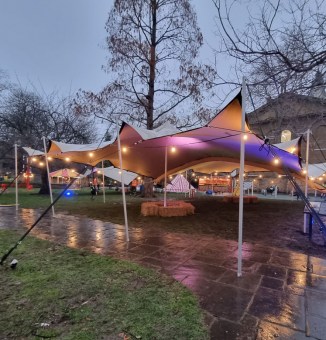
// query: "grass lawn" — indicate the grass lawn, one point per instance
point(57, 292)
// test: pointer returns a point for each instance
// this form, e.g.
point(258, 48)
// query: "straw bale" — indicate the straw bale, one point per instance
point(173, 208)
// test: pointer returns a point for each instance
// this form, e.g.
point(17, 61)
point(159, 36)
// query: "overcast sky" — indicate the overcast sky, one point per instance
point(57, 44)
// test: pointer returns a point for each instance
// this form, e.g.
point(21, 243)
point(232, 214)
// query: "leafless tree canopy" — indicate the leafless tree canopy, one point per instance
point(25, 117)
point(282, 46)
point(153, 46)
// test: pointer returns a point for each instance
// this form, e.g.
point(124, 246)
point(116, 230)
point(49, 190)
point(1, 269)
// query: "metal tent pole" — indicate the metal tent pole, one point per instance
point(165, 174)
point(241, 173)
point(47, 169)
point(123, 188)
point(16, 175)
point(306, 180)
point(103, 181)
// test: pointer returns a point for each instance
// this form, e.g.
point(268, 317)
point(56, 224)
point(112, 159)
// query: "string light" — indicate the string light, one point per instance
point(67, 159)
point(91, 154)
point(276, 161)
point(124, 149)
point(245, 137)
point(173, 149)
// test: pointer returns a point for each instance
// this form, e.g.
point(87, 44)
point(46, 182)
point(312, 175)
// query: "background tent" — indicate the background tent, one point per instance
point(179, 184)
point(68, 173)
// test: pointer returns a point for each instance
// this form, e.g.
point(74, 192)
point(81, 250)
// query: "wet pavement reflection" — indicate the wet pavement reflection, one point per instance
point(282, 294)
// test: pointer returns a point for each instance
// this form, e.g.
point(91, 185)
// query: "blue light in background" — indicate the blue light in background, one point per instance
point(68, 193)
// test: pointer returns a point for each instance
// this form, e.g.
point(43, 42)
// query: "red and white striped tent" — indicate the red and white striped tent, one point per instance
point(179, 184)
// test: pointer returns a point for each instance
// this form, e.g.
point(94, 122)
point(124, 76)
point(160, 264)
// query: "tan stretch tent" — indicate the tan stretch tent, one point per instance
point(213, 147)
point(164, 151)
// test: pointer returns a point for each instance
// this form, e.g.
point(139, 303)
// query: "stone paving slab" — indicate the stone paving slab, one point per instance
point(281, 295)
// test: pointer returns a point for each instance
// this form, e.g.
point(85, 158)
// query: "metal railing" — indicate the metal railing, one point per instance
point(308, 204)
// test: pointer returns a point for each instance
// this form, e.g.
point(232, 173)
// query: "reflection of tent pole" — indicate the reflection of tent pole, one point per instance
point(123, 188)
point(306, 184)
point(241, 173)
point(48, 172)
point(165, 173)
point(103, 181)
point(16, 175)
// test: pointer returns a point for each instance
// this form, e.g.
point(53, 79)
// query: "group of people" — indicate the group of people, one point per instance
point(269, 190)
point(95, 189)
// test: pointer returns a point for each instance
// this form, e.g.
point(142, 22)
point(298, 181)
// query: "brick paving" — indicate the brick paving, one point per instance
point(282, 294)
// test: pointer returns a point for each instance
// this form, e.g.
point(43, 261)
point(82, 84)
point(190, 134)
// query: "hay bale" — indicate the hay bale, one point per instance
point(254, 199)
point(173, 208)
point(228, 199)
point(149, 209)
point(246, 199)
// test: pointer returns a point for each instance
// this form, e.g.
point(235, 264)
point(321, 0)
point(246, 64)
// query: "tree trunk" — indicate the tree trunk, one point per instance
point(45, 189)
point(152, 64)
point(148, 187)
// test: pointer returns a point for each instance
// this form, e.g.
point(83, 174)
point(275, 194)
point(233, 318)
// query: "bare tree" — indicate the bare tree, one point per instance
point(281, 47)
point(153, 47)
point(25, 118)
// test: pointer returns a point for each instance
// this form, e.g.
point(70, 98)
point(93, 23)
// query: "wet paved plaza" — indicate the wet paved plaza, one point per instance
point(282, 294)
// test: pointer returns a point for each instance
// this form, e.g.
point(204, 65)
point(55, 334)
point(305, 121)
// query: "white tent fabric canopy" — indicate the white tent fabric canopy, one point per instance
point(114, 173)
point(32, 152)
point(291, 146)
point(315, 170)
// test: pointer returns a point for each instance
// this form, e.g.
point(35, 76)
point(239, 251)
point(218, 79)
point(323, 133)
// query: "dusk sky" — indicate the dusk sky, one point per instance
point(58, 45)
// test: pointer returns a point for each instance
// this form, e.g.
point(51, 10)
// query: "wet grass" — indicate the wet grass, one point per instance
point(56, 292)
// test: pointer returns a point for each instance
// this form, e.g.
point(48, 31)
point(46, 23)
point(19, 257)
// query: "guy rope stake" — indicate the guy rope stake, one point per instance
point(5, 256)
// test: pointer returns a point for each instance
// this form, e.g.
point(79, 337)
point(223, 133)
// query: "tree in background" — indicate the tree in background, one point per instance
point(282, 46)
point(153, 47)
point(25, 117)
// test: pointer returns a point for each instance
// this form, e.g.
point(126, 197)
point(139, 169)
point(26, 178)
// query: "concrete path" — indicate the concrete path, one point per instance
point(282, 294)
